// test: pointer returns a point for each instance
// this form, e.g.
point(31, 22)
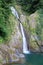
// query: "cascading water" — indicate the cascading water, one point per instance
point(25, 49)
point(14, 12)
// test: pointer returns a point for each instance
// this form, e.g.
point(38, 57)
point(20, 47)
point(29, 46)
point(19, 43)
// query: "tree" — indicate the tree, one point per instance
point(4, 19)
point(29, 6)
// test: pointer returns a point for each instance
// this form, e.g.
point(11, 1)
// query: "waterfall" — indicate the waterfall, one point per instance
point(25, 48)
point(14, 12)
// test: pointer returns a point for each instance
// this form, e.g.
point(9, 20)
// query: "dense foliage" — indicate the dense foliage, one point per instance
point(4, 19)
point(39, 27)
point(30, 6)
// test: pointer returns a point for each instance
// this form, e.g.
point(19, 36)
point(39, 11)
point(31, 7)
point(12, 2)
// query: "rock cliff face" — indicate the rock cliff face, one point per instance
point(30, 24)
point(12, 50)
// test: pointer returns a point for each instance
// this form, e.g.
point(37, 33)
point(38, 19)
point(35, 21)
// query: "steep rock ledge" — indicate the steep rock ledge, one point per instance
point(10, 51)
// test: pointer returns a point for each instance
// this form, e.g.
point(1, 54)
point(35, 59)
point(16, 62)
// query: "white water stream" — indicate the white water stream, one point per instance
point(25, 48)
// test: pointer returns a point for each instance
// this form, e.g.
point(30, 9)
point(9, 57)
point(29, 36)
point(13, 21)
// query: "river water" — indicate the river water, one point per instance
point(32, 59)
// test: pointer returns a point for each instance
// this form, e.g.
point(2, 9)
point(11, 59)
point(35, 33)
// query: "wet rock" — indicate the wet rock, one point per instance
point(22, 18)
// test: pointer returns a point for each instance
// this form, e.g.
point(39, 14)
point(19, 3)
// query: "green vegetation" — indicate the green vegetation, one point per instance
point(30, 6)
point(39, 27)
point(31, 17)
point(5, 26)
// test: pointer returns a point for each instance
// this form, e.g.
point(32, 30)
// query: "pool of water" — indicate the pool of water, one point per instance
point(32, 59)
